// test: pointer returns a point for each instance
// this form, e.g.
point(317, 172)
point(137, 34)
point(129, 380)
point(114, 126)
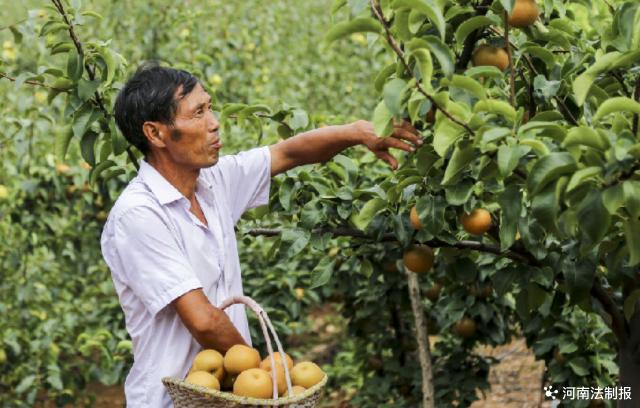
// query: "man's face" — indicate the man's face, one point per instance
point(194, 140)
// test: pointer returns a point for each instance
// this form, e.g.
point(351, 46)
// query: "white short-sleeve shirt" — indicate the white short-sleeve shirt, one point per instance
point(157, 250)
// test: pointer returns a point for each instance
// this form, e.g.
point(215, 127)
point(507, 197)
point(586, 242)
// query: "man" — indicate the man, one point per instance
point(169, 239)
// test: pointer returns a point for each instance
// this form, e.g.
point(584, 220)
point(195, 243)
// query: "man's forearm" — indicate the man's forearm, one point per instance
point(320, 145)
point(220, 334)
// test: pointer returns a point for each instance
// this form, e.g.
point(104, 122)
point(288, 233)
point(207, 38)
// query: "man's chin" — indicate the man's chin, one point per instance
point(212, 162)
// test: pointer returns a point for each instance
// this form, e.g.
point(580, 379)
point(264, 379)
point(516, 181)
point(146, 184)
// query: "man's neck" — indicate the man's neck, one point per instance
point(183, 179)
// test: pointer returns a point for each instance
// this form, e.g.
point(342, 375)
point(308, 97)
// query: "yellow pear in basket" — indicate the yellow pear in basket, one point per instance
point(240, 358)
point(281, 379)
point(266, 363)
point(254, 382)
point(204, 379)
point(306, 374)
point(297, 389)
point(211, 361)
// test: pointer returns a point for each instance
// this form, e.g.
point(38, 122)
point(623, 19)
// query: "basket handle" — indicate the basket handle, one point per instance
point(264, 324)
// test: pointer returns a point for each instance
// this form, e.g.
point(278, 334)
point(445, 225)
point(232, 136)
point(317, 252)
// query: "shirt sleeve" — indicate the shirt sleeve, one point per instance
point(247, 178)
point(153, 264)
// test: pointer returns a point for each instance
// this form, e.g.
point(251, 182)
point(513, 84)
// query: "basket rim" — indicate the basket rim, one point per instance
point(228, 396)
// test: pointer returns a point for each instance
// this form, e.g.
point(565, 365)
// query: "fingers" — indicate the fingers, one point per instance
point(398, 144)
point(405, 130)
point(388, 158)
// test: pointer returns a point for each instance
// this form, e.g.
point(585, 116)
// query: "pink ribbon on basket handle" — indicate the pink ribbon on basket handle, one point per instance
point(264, 323)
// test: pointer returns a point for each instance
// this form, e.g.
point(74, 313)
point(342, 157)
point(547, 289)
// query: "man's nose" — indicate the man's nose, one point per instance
point(213, 122)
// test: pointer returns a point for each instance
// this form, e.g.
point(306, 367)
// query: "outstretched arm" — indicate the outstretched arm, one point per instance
point(320, 145)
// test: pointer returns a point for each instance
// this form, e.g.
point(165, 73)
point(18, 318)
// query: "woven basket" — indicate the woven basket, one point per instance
point(185, 395)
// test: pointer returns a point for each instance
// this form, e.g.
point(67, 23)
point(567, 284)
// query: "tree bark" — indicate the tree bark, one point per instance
point(424, 353)
point(629, 361)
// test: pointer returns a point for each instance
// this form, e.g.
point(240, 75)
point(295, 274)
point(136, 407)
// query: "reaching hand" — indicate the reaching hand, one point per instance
point(404, 137)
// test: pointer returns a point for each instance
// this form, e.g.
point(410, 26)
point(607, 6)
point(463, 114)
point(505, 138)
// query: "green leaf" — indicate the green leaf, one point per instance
point(468, 84)
point(508, 5)
point(425, 65)
point(500, 108)
point(541, 53)
point(83, 119)
point(613, 198)
point(99, 168)
point(581, 175)
point(551, 130)
point(445, 135)
point(61, 144)
point(286, 193)
point(87, 145)
point(382, 120)
point(299, 119)
point(322, 272)
point(538, 146)
point(431, 212)
point(460, 192)
point(578, 274)
point(52, 27)
point(87, 88)
point(26, 383)
point(510, 201)
point(509, 157)
point(118, 142)
point(75, 65)
point(357, 25)
point(430, 10)
point(583, 82)
point(229, 109)
point(382, 76)
point(297, 239)
point(585, 136)
point(595, 220)
point(487, 71)
point(617, 104)
point(368, 211)
point(442, 53)
point(549, 168)
point(544, 207)
point(631, 194)
point(470, 25)
point(580, 366)
point(462, 155)
point(630, 304)
point(393, 95)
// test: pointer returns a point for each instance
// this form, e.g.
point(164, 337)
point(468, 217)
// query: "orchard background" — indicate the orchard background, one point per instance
point(548, 144)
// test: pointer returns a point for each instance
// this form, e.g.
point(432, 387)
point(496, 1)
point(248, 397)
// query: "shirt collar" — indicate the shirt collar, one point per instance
point(165, 191)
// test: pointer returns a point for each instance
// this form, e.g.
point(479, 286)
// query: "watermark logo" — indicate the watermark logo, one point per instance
point(549, 392)
point(588, 393)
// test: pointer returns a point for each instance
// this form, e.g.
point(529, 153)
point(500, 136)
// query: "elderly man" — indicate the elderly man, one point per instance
point(169, 240)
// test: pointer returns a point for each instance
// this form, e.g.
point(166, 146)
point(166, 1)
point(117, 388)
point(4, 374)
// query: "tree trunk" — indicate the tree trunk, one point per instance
point(629, 361)
point(424, 353)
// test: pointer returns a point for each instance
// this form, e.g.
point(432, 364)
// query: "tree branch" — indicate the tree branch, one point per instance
point(422, 337)
point(390, 237)
point(35, 83)
point(512, 76)
point(636, 96)
point(396, 48)
point(618, 323)
point(79, 48)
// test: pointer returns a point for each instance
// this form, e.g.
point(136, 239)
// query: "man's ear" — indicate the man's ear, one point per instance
point(155, 133)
